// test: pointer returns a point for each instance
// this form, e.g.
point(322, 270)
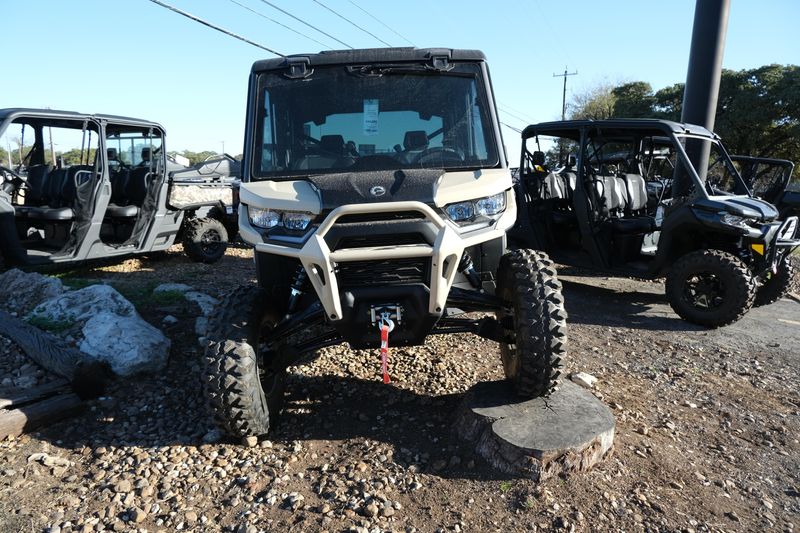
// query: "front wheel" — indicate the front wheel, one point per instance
point(205, 240)
point(711, 288)
point(536, 346)
point(244, 390)
point(777, 284)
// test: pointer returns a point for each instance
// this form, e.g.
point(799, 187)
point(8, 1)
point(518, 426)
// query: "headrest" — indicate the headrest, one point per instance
point(538, 158)
point(571, 161)
point(112, 154)
point(415, 140)
point(332, 143)
point(146, 153)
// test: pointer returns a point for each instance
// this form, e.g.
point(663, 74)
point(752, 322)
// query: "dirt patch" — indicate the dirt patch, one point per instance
point(707, 431)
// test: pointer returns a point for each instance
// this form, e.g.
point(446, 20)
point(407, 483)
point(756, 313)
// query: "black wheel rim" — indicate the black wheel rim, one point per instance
point(210, 241)
point(704, 291)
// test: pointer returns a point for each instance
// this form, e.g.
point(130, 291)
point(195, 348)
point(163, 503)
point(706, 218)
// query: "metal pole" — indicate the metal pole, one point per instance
point(704, 73)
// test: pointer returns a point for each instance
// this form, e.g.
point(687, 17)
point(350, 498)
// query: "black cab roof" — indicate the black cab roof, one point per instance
point(613, 126)
point(56, 114)
point(368, 55)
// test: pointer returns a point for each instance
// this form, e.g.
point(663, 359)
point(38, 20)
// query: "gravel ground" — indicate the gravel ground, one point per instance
point(707, 434)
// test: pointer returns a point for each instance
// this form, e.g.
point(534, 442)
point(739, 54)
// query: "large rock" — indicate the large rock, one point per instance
point(107, 328)
point(80, 305)
point(129, 344)
point(21, 291)
point(570, 431)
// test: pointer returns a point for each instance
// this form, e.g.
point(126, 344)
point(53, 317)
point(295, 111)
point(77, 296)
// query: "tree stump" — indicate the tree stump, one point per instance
point(570, 431)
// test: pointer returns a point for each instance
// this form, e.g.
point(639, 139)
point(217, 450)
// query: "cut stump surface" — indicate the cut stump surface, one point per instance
point(570, 431)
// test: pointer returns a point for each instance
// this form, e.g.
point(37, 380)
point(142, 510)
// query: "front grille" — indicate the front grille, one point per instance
point(355, 274)
point(366, 241)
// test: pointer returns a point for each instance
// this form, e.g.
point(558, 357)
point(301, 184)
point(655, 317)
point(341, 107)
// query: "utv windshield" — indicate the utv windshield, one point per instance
point(377, 117)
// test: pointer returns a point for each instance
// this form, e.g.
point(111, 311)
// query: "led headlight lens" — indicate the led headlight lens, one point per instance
point(263, 218)
point(488, 206)
point(461, 211)
point(733, 220)
point(491, 205)
point(296, 221)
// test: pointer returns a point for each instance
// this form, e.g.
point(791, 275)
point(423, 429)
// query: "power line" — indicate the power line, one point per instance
point(511, 127)
point(304, 22)
point(279, 23)
point(523, 114)
point(382, 23)
point(212, 26)
point(351, 22)
point(509, 113)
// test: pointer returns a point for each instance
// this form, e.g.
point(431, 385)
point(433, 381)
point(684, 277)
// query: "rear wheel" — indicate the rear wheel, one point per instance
point(710, 287)
point(243, 387)
point(231, 222)
point(777, 284)
point(533, 355)
point(205, 240)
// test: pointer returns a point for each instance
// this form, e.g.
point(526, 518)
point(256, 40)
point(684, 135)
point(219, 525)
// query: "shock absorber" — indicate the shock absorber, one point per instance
point(298, 284)
point(467, 267)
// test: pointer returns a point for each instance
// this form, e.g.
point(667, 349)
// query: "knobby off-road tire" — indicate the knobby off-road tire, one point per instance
point(526, 279)
point(711, 288)
point(777, 285)
point(230, 222)
point(244, 393)
point(205, 240)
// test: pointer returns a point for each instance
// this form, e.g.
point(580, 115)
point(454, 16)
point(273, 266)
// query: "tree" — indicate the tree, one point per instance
point(758, 110)
point(633, 100)
point(596, 103)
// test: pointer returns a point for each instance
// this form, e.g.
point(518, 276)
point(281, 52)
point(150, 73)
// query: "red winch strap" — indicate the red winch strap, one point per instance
point(385, 352)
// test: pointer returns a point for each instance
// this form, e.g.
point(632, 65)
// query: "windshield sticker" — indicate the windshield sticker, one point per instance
point(371, 117)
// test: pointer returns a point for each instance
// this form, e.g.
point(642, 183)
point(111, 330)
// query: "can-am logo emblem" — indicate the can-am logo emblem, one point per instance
point(377, 191)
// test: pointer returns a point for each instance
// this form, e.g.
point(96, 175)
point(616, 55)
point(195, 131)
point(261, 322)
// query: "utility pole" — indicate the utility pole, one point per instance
point(52, 150)
point(564, 95)
point(563, 108)
point(223, 146)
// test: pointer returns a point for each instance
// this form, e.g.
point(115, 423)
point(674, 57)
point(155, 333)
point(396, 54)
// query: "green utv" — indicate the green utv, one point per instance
point(631, 201)
point(80, 187)
point(377, 196)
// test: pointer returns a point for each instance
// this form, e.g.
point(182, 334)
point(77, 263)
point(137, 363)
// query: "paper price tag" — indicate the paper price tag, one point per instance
point(371, 117)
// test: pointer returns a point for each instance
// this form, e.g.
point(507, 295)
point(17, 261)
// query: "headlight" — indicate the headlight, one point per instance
point(733, 220)
point(488, 206)
point(263, 218)
point(461, 211)
point(268, 218)
point(491, 205)
point(297, 221)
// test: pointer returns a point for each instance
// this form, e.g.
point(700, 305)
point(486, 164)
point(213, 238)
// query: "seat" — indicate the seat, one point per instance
point(122, 211)
point(327, 154)
point(414, 143)
point(60, 196)
point(633, 219)
point(37, 183)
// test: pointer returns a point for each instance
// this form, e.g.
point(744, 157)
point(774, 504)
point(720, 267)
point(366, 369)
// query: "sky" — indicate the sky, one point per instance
point(138, 59)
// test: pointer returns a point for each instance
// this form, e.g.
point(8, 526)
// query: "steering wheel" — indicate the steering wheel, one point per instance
point(438, 153)
point(12, 181)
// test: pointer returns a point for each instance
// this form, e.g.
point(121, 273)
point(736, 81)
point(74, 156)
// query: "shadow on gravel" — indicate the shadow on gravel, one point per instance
point(169, 411)
point(602, 306)
point(419, 428)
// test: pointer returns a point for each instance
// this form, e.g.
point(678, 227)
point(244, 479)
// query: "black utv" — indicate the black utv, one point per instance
point(625, 197)
point(377, 197)
point(79, 187)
